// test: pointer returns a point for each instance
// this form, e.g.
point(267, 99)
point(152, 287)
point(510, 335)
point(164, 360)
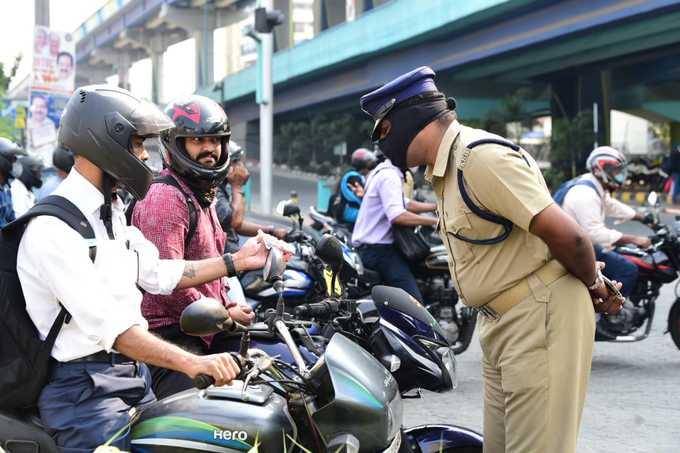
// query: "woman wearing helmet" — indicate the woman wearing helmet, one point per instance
point(106, 339)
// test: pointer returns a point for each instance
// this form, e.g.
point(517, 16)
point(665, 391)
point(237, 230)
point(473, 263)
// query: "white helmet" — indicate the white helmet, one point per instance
point(608, 165)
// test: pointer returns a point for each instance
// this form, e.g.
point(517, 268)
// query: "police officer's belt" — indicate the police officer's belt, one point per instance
point(500, 305)
point(104, 357)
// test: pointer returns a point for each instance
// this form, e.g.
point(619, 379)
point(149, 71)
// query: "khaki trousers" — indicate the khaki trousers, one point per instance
point(536, 366)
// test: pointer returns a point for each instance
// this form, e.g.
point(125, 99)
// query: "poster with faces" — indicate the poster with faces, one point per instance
point(52, 82)
point(53, 61)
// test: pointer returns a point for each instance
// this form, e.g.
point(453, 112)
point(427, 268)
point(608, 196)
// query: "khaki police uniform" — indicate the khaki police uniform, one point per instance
point(536, 322)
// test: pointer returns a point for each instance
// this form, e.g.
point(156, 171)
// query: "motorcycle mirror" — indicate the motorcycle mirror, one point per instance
point(291, 210)
point(329, 250)
point(652, 198)
point(204, 317)
point(273, 266)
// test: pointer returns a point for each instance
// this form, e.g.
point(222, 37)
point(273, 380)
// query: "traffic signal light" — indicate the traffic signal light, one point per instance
point(265, 21)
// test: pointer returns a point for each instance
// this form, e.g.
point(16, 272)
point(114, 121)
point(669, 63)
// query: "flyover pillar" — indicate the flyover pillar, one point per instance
point(123, 70)
point(205, 46)
point(157, 50)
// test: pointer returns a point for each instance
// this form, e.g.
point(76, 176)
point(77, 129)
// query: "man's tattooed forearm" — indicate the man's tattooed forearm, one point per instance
point(189, 271)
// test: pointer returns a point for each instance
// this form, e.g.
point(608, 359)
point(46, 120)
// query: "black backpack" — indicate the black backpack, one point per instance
point(193, 215)
point(24, 358)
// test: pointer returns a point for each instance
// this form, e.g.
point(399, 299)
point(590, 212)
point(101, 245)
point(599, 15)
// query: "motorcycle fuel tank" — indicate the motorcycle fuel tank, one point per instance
point(218, 419)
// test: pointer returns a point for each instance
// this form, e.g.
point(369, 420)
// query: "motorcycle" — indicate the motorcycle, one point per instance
point(432, 275)
point(348, 401)
point(421, 357)
point(658, 265)
point(305, 278)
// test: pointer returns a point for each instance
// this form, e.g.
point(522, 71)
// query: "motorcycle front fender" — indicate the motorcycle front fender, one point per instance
point(443, 438)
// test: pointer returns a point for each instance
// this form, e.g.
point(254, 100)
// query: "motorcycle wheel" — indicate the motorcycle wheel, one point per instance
point(674, 323)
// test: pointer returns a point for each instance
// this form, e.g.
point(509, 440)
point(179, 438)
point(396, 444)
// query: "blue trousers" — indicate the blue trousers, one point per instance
point(392, 267)
point(618, 268)
point(84, 404)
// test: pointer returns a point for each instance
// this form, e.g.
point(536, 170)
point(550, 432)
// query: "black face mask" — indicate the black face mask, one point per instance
point(407, 120)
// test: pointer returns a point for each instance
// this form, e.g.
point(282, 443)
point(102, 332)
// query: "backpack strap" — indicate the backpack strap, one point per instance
point(586, 182)
point(485, 215)
point(193, 216)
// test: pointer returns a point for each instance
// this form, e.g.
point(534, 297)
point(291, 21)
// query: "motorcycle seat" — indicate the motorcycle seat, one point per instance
point(23, 431)
point(371, 276)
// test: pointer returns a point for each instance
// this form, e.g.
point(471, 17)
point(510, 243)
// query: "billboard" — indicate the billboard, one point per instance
point(52, 82)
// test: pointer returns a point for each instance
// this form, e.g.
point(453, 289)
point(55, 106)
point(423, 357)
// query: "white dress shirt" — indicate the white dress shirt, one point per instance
point(22, 198)
point(590, 210)
point(53, 265)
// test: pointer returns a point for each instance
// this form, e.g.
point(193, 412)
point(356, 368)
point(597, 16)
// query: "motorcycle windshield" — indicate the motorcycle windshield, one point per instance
point(365, 397)
point(400, 300)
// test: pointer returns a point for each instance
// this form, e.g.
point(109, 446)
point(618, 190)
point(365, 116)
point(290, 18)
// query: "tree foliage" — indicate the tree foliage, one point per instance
point(7, 128)
point(308, 143)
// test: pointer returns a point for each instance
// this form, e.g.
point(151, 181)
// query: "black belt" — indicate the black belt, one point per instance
point(104, 357)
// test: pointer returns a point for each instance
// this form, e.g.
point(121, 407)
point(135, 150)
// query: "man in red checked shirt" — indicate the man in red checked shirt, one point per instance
point(178, 216)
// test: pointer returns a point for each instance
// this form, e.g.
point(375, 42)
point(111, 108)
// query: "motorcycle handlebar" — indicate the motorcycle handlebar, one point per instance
point(203, 381)
point(323, 308)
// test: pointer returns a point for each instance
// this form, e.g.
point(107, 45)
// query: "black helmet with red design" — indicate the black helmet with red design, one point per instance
point(196, 116)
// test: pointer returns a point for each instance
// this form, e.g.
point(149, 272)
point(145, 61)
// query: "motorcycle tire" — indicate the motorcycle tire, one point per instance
point(674, 323)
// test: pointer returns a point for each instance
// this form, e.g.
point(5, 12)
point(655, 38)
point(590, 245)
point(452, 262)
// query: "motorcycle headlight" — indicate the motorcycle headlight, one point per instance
point(449, 360)
point(445, 353)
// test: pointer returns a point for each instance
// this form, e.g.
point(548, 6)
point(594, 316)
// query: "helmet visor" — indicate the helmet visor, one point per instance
point(149, 119)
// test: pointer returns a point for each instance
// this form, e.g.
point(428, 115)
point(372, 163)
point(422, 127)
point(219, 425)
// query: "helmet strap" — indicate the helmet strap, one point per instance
point(105, 211)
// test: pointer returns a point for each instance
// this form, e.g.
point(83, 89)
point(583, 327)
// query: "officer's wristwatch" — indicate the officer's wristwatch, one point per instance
point(597, 283)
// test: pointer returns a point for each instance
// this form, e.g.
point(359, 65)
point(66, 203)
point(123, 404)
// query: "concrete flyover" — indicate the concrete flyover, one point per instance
point(482, 50)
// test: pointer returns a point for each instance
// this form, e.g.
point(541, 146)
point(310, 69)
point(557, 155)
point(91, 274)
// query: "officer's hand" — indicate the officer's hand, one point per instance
point(242, 314)
point(221, 367)
point(603, 300)
point(610, 305)
point(238, 174)
point(642, 242)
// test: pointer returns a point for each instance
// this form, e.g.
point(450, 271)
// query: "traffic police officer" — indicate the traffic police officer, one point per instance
point(515, 256)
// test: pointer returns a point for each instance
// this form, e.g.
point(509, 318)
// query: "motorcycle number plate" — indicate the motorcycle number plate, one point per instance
point(328, 277)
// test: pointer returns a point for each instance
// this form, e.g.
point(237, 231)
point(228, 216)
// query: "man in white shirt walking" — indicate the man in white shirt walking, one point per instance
point(589, 202)
point(97, 378)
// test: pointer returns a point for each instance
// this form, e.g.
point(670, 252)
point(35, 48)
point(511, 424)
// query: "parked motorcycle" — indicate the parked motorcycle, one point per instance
point(422, 356)
point(432, 275)
point(346, 402)
point(658, 265)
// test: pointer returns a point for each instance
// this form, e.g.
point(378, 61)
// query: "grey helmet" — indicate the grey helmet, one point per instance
point(98, 124)
point(9, 151)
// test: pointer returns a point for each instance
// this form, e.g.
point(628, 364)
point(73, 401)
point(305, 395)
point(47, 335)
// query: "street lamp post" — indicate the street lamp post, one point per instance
point(266, 18)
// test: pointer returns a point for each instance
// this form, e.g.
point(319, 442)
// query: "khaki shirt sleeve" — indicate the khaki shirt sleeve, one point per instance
point(507, 183)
